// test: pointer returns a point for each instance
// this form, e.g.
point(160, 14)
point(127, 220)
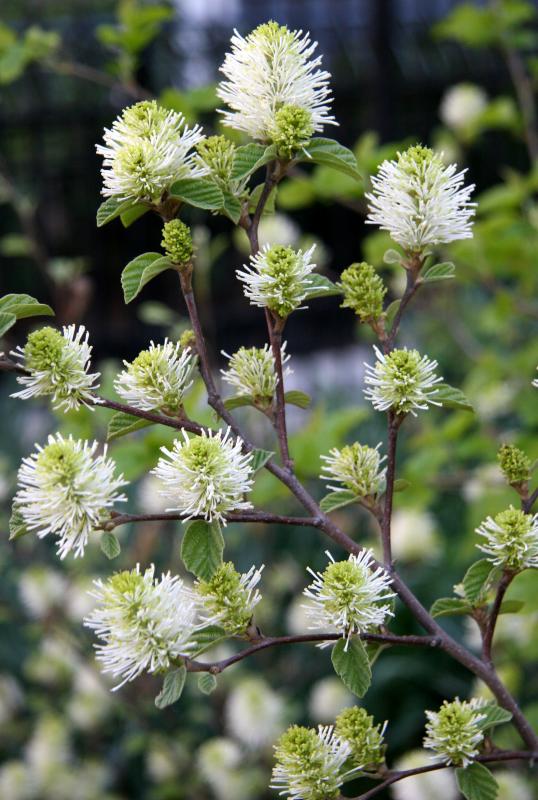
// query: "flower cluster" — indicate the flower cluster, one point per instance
point(278, 278)
point(216, 154)
point(363, 291)
point(158, 378)
point(251, 371)
point(402, 380)
point(511, 539)
point(205, 475)
point(275, 90)
point(356, 727)
point(515, 464)
point(229, 598)
point(144, 622)
point(177, 242)
point(66, 489)
point(147, 149)
point(58, 364)
point(420, 201)
point(455, 732)
point(310, 765)
point(348, 597)
point(356, 467)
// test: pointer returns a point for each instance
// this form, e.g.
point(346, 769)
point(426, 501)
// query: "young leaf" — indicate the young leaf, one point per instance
point(20, 306)
point(476, 782)
point(172, 687)
point(231, 207)
point(451, 397)
point(495, 715)
point(390, 313)
point(110, 545)
point(133, 213)
point(334, 500)
point(140, 271)
point(207, 637)
point(439, 272)
point(202, 548)
point(392, 257)
point(400, 484)
point(17, 525)
point(446, 606)
point(111, 208)
point(352, 665)
point(121, 424)
point(333, 154)
point(238, 401)
point(7, 321)
point(321, 286)
point(260, 458)
point(476, 579)
point(198, 192)
point(296, 398)
point(249, 158)
point(207, 683)
point(511, 606)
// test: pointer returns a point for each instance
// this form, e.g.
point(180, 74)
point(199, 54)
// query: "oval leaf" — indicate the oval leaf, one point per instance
point(476, 579)
point(249, 158)
point(296, 398)
point(446, 606)
point(332, 153)
point(352, 665)
point(110, 545)
point(132, 214)
point(439, 272)
point(202, 548)
point(390, 313)
point(121, 424)
point(495, 715)
point(207, 683)
point(17, 525)
point(172, 687)
point(198, 192)
point(392, 257)
point(110, 209)
point(451, 397)
point(140, 271)
point(334, 500)
point(238, 401)
point(231, 207)
point(476, 782)
point(207, 637)
point(321, 286)
point(260, 459)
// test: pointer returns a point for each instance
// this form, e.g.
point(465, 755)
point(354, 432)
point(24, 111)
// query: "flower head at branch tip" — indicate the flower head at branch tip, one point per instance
point(158, 378)
point(515, 464)
point(216, 154)
point(177, 242)
point(278, 278)
point(146, 150)
point(356, 727)
point(511, 539)
point(274, 88)
point(251, 371)
point(455, 732)
point(363, 290)
point(348, 597)
point(402, 380)
point(66, 489)
point(357, 468)
point(58, 363)
point(420, 201)
point(144, 622)
point(228, 598)
point(205, 475)
point(310, 765)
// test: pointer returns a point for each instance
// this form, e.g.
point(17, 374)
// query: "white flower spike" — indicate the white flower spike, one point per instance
point(403, 381)
point(229, 598)
point(455, 732)
point(251, 372)
point(511, 539)
point(357, 467)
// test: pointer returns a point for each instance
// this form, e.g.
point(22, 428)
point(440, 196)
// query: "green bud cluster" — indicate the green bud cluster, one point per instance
point(416, 158)
point(177, 242)
point(455, 732)
point(292, 130)
point(306, 762)
point(44, 349)
point(217, 154)
point(514, 463)
point(282, 267)
point(357, 727)
point(227, 598)
point(187, 339)
point(363, 290)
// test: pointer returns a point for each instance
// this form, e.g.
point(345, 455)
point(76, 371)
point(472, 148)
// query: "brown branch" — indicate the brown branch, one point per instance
point(244, 516)
point(528, 502)
point(393, 424)
point(152, 416)
point(274, 329)
point(489, 630)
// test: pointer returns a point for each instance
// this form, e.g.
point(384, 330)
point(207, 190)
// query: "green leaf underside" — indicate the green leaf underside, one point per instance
point(207, 637)
point(172, 687)
point(446, 606)
point(20, 306)
point(476, 782)
point(133, 213)
point(231, 207)
point(202, 548)
point(451, 397)
point(321, 286)
point(400, 484)
point(111, 208)
point(339, 499)
point(140, 271)
point(495, 715)
point(511, 606)
point(109, 545)
point(352, 665)
point(439, 272)
point(249, 158)
point(260, 458)
point(296, 398)
point(121, 424)
point(392, 256)
point(198, 192)
point(238, 401)
point(390, 313)
point(7, 321)
point(17, 525)
point(333, 154)
point(207, 683)
point(476, 579)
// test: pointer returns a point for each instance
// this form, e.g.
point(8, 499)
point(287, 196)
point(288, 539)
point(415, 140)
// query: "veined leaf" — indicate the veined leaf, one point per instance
point(352, 665)
point(121, 424)
point(476, 579)
point(333, 154)
point(321, 286)
point(439, 272)
point(110, 545)
point(198, 192)
point(451, 397)
point(142, 270)
point(476, 782)
point(296, 398)
point(111, 208)
point(249, 158)
point(202, 548)
point(260, 458)
point(447, 606)
point(339, 499)
point(207, 683)
point(172, 687)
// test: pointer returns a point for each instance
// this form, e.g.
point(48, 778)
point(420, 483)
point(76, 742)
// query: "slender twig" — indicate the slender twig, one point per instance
point(528, 502)
point(74, 69)
point(489, 630)
point(179, 423)
point(243, 516)
point(275, 337)
point(412, 286)
point(393, 425)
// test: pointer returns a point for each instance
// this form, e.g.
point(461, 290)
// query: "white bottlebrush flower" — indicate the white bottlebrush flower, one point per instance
point(310, 765)
point(251, 371)
point(205, 475)
point(271, 70)
point(146, 150)
point(327, 699)
point(461, 105)
point(249, 702)
point(229, 598)
point(455, 732)
point(66, 489)
point(511, 539)
point(278, 278)
point(348, 597)
point(41, 590)
point(420, 201)
point(144, 622)
point(158, 378)
point(58, 364)
point(356, 467)
point(414, 535)
point(402, 380)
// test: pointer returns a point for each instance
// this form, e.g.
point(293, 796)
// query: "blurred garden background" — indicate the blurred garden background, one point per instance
point(462, 78)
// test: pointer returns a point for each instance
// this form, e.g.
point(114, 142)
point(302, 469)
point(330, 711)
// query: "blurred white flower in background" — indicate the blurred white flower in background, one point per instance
point(148, 496)
point(15, 781)
point(428, 786)
point(485, 478)
point(255, 714)
point(327, 698)
point(90, 703)
point(297, 620)
point(513, 786)
point(41, 589)
point(461, 105)
point(48, 750)
point(11, 698)
point(221, 764)
point(414, 535)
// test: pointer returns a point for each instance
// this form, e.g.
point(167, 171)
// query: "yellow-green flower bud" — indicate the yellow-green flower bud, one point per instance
point(292, 130)
point(355, 726)
point(363, 291)
point(229, 598)
point(187, 339)
point(177, 242)
point(516, 466)
point(217, 154)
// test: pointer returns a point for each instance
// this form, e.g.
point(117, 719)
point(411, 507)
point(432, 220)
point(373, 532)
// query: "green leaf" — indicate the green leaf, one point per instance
point(392, 257)
point(20, 306)
point(333, 154)
point(439, 272)
point(202, 548)
point(254, 199)
point(7, 321)
point(476, 782)
point(140, 271)
point(110, 545)
point(400, 484)
point(198, 192)
point(452, 398)
point(321, 286)
point(296, 398)
point(207, 637)
point(334, 500)
point(111, 208)
point(260, 458)
point(238, 401)
point(511, 606)
point(133, 213)
point(172, 687)
point(17, 525)
point(352, 665)
point(390, 313)
point(475, 580)
point(231, 207)
point(446, 606)
point(121, 424)
point(495, 715)
point(249, 158)
point(207, 683)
